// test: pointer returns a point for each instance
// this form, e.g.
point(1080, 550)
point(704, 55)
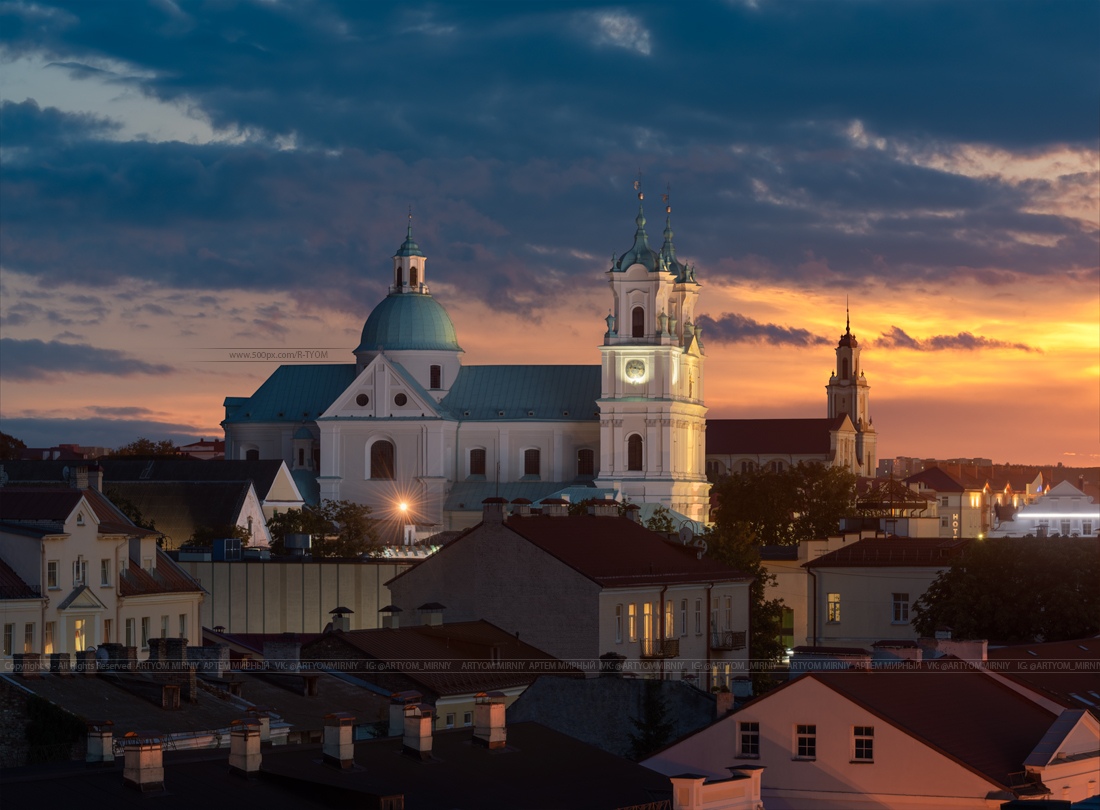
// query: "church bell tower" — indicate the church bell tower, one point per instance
point(848, 392)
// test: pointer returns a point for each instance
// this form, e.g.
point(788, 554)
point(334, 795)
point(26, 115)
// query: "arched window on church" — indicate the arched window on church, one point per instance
point(477, 461)
point(381, 460)
point(637, 322)
point(252, 455)
point(532, 461)
point(634, 452)
point(414, 276)
point(398, 277)
point(586, 463)
point(844, 368)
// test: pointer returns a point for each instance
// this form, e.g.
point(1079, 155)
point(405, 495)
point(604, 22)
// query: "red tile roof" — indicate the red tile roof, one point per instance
point(53, 505)
point(937, 480)
point(166, 578)
point(1062, 671)
point(963, 713)
point(876, 552)
point(752, 436)
point(616, 552)
point(12, 585)
point(447, 647)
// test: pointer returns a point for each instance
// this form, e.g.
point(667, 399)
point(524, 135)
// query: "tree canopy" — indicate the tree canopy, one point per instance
point(10, 447)
point(1017, 590)
point(781, 508)
point(338, 528)
point(147, 447)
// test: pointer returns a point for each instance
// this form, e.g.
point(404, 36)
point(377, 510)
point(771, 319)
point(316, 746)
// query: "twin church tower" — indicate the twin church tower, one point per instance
point(420, 437)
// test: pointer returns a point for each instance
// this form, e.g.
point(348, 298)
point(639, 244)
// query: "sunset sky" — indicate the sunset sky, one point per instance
point(184, 179)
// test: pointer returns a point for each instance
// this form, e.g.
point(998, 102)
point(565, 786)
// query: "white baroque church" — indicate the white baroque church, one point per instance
point(420, 437)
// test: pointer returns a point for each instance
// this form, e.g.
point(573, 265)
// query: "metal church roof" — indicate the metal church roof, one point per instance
point(544, 393)
point(295, 393)
point(403, 321)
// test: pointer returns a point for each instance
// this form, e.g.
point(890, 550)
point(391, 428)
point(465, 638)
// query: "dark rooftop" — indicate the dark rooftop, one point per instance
point(893, 551)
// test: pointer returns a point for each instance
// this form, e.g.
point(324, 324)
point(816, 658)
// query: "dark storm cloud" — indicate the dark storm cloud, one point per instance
point(38, 360)
point(734, 328)
point(965, 341)
point(512, 130)
point(97, 431)
point(26, 124)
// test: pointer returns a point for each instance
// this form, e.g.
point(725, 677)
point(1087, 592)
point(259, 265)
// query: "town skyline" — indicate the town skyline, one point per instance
point(181, 184)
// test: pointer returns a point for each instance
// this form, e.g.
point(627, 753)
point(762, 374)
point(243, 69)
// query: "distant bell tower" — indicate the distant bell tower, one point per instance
point(652, 415)
point(848, 392)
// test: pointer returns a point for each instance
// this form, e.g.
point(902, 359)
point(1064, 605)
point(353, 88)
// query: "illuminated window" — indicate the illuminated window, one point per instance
point(806, 741)
point(833, 608)
point(637, 322)
point(864, 744)
point(79, 638)
point(670, 619)
point(477, 461)
point(632, 621)
point(634, 452)
point(901, 608)
point(28, 637)
point(48, 633)
point(381, 460)
point(683, 617)
point(749, 738)
point(647, 621)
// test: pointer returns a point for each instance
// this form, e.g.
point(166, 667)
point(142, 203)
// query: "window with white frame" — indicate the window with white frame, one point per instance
point(532, 462)
point(632, 621)
point(683, 617)
point(832, 608)
point(900, 611)
point(863, 744)
point(164, 627)
point(944, 501)
point(80, 571)
point(449, 721)
point(1065, 528)
point(477, 461)
point(748, 739)
point(52, 574)
point(129, 632)
point(670, 619)
point(468, 718)
point(145, 624)
point(48, 632)
point(727, 613)
point(805, 742)
point(28, 637)
point(105, 573)
point(183, 625)
point(618, 624)
point(1086, 527)
point(108, 631)
point(698, 617)
point(9, 639)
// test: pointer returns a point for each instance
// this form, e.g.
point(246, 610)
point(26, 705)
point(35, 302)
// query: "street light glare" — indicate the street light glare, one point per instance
point(404, 507)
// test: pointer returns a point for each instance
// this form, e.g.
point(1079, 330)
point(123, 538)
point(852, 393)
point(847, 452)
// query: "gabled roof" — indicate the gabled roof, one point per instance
point(737, 437)
point(12, 585)
point(448, 646)
point(30, 505)
point(167, 577)
point(293, 394)
point(876, 552)
point(541, 393)
point(937, 480)
point(616, 552)
point(83, 598)
point(1062, 671)
point(177, 509)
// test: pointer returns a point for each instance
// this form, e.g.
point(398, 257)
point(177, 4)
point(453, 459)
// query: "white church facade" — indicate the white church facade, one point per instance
point(421, 438)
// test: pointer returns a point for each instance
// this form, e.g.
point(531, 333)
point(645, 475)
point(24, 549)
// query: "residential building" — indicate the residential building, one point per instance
point(96, 576)
point(961, 502)
point(930, 735)
point(1063, 510)
point(582, 587)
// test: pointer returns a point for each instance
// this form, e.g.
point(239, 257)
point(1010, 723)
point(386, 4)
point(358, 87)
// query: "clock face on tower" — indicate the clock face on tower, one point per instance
point(635, 370)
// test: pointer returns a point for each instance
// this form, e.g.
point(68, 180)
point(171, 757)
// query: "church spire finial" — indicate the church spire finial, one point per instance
point(847, 318)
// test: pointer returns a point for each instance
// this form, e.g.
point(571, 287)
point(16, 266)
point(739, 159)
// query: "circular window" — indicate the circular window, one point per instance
point(400, 400)
point(362, 400)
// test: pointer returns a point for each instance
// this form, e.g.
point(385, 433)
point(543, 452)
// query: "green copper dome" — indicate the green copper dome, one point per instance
point(408, 321)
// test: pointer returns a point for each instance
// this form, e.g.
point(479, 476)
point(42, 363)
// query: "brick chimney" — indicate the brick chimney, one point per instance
point(391, 616)
point(95, 477)
point(634, 512)
point(521, 507)
point(398, 702)
point(80, 478)
point(101, 738)
point(144, 761)
point(489, 724)
point(605, 507)
point(492, 510)
point(244, 747)
point(417, 739)
point(555, 507)
point(262, 716)
point(339, 746)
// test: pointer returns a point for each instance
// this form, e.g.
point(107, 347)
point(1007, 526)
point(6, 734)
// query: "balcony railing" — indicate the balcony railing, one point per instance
point(727, 640)
point(660, 647)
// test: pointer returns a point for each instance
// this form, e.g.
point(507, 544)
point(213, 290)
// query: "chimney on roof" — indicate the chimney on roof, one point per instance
point(101, 738)
point(391, 616)
point(431, 613)
point(95, 477)
point(492, 510)
point(489, 724)
point(604, 507)
point(417, 739)
point(521, 507)
point(262, 717)
point(340, 620)
point(398, 702)
point(634, 512)
point(555, 507)
point(339, 747)
point(80, 478)
point(244, 747)
point(144, 762)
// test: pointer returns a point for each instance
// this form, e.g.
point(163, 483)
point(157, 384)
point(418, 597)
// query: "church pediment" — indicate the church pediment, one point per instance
point(383, 390)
